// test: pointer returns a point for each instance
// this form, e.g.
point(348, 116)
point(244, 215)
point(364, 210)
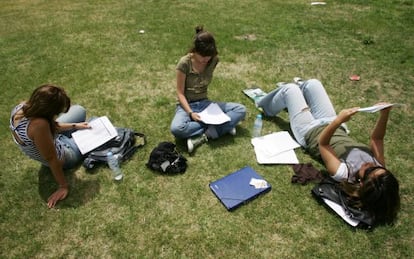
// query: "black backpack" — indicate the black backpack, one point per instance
point(123, 146)
point(330, 189)
point(165, 159)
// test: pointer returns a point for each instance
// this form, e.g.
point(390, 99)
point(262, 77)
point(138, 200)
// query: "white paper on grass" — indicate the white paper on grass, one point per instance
point(376, 108)
point(275, 143)
point(287, 157)
point(213, 115)
point(101, 131)
point(275, 148)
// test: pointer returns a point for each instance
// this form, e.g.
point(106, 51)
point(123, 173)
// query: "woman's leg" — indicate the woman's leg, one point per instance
point(317, 99)
point(291, 97)
point(75, 114)
point(182, 126)
point(73, 156)
point(235, 111)
point(319, 102)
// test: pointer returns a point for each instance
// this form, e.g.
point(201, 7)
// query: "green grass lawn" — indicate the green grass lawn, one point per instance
point(94, 49)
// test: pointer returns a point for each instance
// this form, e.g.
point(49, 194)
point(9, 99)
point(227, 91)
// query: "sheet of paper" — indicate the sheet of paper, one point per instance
point(318, 3)
point(213, 115)
point(340, 211)
point(376, 108)
point(288, 157)
point(101, 131)
point(275, 143)
point(258, 183)
point(275, 148)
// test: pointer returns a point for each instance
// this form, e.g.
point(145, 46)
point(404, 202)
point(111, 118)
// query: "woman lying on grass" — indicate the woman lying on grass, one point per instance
point(35, 126)
point(317, 127)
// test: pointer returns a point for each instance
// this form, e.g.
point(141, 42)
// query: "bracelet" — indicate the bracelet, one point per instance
point(189, 114)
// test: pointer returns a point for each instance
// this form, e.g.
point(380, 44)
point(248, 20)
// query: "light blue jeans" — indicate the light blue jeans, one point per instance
point(183, 127)
point(308, 106)
point(73, 156)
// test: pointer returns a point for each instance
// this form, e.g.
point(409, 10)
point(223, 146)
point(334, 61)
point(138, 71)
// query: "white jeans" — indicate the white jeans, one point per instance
point(308, 106)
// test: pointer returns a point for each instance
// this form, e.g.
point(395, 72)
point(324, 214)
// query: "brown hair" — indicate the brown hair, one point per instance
point(378, 194)
point(204, 43)
point(46, 102)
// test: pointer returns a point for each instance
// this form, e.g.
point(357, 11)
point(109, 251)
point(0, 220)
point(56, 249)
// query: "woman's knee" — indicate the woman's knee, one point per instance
point(76, 113)
point(237, 113)
point(291, 88)
point(240, 108)
point(314, 83)
point(179, 131)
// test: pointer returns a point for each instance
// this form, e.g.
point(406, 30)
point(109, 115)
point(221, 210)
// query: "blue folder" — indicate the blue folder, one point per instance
point(234, 190)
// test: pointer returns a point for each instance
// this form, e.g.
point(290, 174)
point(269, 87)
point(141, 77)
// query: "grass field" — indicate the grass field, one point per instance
point(94, 49)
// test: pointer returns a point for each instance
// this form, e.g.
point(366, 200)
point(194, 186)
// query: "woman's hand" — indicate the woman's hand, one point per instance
point(346, 114)
point(195, 117)
point(82, 125)
point(58, 195)
point(385, 110)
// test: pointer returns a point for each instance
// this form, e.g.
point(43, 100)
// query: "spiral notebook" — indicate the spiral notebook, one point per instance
point(239, 187)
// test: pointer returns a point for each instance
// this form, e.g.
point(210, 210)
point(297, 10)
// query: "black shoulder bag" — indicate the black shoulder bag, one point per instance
point(330, 189)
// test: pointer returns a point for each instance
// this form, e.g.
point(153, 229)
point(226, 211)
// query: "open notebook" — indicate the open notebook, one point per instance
point(239, 187)
point(101, 131)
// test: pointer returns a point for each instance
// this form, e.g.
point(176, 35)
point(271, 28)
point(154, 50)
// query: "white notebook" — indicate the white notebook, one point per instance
point(101, 131)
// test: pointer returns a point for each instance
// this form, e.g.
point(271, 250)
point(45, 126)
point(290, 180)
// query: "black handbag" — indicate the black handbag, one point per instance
point(165, 159)
point(330, 189)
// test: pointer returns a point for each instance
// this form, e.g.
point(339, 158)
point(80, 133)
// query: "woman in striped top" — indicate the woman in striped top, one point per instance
point(45, 137)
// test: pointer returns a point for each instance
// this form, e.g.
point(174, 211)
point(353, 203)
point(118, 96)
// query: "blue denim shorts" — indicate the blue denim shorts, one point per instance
point(73, 156)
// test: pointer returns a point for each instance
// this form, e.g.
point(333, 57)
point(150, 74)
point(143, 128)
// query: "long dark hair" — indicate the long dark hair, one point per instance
point(46, 102)
point(379, 195)
point(204, 43)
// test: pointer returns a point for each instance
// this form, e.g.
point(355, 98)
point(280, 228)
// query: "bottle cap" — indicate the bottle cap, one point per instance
point(259, 116)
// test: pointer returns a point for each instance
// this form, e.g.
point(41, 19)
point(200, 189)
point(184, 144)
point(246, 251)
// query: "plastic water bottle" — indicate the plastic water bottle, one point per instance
point(257, 126)
point(113, 163)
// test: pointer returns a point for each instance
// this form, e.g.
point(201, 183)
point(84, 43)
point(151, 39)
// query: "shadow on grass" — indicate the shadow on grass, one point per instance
point(282, 123)
point(224, 140)
point(181, 146)
point(81, 191)
point(228, 139)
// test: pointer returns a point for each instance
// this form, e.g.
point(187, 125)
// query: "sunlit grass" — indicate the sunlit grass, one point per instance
point(94, 49)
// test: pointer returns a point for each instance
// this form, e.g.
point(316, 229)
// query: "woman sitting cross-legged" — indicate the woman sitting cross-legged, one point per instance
point(360, 168)
point(194, 74)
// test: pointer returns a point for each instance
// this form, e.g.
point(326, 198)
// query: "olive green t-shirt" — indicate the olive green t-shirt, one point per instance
point(196, 84)
point(340, 142)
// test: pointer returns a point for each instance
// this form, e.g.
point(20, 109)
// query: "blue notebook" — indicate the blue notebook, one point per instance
point(239, 187)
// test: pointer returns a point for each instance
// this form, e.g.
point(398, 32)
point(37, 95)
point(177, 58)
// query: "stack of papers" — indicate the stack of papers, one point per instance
point(101, 131)
point(275, 148)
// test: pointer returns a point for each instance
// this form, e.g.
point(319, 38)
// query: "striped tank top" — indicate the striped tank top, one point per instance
point(27, 146)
